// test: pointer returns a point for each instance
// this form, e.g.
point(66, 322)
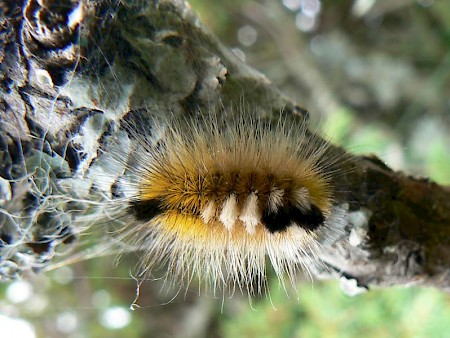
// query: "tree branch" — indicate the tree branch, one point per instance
point(72, 70)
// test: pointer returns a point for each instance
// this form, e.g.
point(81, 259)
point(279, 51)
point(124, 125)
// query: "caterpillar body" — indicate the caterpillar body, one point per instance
point(213, 197)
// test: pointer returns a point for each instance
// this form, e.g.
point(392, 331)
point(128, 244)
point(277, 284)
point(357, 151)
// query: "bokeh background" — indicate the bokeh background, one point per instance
point(375, 76)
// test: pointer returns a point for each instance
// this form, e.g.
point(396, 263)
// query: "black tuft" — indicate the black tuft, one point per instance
point(277, 221)
point(289, 215)
point(146, 210)
point(309, 220)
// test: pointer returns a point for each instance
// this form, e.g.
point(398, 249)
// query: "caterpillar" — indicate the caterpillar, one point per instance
point(213, 197)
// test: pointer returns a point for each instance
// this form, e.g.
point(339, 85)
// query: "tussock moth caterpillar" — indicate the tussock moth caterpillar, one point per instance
point(215, 196)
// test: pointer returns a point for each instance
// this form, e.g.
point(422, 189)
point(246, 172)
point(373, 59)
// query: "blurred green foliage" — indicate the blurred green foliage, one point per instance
point(323, 310)
point(409, 129)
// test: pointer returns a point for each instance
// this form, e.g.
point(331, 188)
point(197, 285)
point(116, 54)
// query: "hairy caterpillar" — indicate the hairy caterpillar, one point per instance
point(214, 196)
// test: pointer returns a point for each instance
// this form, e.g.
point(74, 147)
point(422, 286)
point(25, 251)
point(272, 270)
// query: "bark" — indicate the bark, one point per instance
point(72, 70)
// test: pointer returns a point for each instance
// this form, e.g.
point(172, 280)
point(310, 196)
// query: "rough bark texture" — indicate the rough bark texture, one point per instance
point(72, 70)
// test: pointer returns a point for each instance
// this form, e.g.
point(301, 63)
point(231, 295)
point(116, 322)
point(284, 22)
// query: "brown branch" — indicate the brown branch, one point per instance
point(70, 72)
